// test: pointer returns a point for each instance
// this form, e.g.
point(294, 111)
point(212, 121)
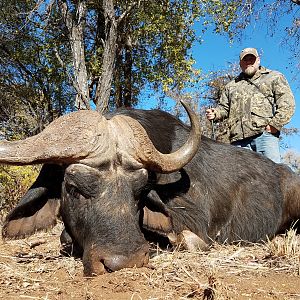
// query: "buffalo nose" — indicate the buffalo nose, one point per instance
point(136, 259)
point(95, 262)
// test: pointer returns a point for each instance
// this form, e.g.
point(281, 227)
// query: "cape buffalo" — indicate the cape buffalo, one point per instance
point(119, 180)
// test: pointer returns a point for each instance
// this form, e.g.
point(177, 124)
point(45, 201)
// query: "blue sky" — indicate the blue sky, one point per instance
point(216, 53)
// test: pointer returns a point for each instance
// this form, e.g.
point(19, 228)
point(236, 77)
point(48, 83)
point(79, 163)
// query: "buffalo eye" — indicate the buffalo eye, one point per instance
point(73, 191)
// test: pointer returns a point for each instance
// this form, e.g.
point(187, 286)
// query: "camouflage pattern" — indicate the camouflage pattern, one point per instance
point(250, 104)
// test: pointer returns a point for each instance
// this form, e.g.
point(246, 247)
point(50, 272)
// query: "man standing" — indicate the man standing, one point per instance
point(257, 104)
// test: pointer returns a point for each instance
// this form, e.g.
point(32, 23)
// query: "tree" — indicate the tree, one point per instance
point(131, 44)
point(292, 159)
point(106, 52)
point(32, 85)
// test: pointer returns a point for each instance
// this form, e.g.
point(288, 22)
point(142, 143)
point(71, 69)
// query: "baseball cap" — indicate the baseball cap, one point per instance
point(247, 51)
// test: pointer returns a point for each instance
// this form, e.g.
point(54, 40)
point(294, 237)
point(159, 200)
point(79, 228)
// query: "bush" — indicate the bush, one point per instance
point(14, 182)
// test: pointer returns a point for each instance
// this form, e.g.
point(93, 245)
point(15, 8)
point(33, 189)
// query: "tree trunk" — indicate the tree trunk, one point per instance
point(128, 76)
point(75, 27)
point(118, 78)
point(108, 58)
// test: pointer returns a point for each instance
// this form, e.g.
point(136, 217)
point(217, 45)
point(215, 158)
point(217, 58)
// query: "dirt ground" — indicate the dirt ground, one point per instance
point(33, 268)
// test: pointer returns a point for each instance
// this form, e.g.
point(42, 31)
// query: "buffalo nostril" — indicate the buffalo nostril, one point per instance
point(93, 266)
point(97, 268)
point(136, 259)
point(115, 262)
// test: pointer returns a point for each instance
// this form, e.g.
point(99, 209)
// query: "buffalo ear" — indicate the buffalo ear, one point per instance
point(157, 222)
point(39, 207)
point(26, 220)
point(155, 215)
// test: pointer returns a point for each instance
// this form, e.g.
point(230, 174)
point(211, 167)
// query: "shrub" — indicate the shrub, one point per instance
point(14, 182)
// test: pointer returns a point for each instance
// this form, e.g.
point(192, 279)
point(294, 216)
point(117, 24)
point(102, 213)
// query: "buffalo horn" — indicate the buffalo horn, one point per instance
point(67, 139)
point(168, 163)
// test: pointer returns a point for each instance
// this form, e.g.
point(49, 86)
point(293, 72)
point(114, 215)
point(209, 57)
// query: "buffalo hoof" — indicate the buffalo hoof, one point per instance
point(188, 240)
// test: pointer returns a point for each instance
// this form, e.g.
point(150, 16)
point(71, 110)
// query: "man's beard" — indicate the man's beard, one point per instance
point(250, 70)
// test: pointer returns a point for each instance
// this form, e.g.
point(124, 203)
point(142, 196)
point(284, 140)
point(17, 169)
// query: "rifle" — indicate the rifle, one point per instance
point(212, 123)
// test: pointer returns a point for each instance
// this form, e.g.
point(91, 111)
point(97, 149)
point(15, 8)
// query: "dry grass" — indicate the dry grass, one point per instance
point(34, 269)
point(286, 245)
point(200, 274)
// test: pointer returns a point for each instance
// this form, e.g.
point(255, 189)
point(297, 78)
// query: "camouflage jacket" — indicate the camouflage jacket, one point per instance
point(250, 104)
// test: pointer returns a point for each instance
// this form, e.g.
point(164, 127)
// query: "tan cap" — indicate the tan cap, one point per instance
point(247, 51)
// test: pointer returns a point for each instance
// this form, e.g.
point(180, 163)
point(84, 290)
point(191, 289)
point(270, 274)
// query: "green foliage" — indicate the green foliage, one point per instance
point(164, 39)
point(33, 86)
point(14, 182)
point(163, 34)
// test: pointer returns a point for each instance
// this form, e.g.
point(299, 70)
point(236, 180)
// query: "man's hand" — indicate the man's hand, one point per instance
point(210, 113)
point(271, 129)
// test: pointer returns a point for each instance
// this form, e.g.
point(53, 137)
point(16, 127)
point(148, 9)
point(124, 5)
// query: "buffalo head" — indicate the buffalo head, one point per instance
point(95, 171)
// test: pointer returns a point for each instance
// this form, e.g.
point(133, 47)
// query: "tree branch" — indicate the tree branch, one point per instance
point(128, 10)
point(25, 69)
point(70, 77)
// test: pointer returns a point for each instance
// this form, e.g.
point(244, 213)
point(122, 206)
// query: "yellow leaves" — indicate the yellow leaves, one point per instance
point(94, 63)
point(167, 83)
point(23, 175)
point(14, 182)
point(168, 34)
point(184, 75)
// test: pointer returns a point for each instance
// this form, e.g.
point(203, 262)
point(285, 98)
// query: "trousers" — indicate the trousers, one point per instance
point(265, 143)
